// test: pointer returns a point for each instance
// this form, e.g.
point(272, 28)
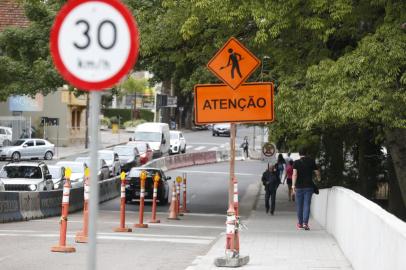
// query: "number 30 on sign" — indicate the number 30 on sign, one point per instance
point(94, 43)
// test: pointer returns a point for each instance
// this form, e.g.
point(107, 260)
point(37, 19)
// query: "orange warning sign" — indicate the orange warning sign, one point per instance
point(233, 63)
point(217, 103)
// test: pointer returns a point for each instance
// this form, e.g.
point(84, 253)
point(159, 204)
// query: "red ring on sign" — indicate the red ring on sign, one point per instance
point(131, 59)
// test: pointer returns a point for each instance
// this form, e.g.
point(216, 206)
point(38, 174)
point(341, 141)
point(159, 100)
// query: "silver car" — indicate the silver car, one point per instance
point(112, 160)
point(58, 175)
point(27, 149)
point(78, 172)
point(26, 176)
point(103, 170)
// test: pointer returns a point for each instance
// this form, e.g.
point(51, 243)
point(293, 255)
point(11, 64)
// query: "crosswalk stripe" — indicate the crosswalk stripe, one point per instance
point(188, 146)
point(200, 148)
point(213, 149)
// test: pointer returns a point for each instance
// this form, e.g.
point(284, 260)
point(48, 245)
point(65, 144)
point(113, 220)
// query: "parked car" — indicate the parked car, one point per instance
point(144, 149)
point(58, 175)
point(156, 135)
point(103, 169)
point(78, 171)
point(178, 142)
point(28, 148)
point(26, 176)
point(128, 155)
point(132, 189)
point(112, 160)
point(6, 135)
point(221, 129)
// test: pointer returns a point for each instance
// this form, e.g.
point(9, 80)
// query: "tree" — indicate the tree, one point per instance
point(133, 86)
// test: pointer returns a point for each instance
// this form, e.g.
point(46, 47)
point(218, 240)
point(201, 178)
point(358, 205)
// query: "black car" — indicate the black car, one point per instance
point(128, 155)
point(133, 186)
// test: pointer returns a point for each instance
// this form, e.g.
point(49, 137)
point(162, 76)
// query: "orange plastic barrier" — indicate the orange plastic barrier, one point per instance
point(122, 227)
point(143, 177)
point(62, 247)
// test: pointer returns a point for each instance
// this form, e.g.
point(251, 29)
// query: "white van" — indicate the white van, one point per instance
point(156, 135)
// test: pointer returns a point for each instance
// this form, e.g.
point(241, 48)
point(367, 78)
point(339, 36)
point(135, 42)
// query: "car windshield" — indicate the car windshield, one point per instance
point(147, 136)
point(106, 156)
point(136, 172)
point(56, 172)
point(18, 142)
point(174, 136)
point(124, 151)
point(75, 168)
point(29, 172)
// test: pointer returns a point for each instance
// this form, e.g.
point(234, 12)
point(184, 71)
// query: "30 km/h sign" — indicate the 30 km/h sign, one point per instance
point(218, 103)
point(94, 43)
point(233, 63)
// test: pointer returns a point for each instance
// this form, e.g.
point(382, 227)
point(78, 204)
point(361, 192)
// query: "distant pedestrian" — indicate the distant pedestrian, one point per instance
point(244, 146)
point(289, 174)
point(271, 181)
point(303, 187)
point(280, 166)
point(288, 158)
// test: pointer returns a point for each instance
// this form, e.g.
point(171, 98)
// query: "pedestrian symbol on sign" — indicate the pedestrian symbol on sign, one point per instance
point(234, 61)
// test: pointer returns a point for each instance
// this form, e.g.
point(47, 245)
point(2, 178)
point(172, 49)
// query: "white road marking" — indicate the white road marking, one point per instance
point(5, 257)
point(213, 149)
point(199, 148)
point(188, 146)
point(207, 143)
point(227, 173)
point(151, 225)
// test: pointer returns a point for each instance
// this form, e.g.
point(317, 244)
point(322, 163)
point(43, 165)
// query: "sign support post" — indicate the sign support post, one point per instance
point(94, 192)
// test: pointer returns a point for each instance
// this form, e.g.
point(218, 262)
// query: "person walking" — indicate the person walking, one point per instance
point(271, 181)
point(244, 146)
point(289, 174)
point(281, 166)
point(303, 187)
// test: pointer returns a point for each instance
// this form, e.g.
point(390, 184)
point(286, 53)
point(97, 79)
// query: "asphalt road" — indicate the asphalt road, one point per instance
point(168, 245)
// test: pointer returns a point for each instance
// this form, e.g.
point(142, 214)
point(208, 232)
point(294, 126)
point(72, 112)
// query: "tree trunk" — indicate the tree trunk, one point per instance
point(334, 147)
point(395, 140)
point(395, 201)
point(368, 164)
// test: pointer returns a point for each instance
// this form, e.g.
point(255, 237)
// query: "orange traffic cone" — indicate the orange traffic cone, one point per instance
point(173, 215)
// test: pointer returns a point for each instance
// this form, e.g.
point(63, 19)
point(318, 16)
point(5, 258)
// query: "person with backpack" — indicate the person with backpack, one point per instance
point(271, 181)
point(303, 187)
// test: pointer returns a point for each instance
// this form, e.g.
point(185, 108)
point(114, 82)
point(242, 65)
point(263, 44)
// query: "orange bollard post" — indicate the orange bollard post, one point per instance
point(64, 217)
point(143, 177)
point(230, 231)
point(178, 182)
point(236, 208)
point(122, 227)
point(156, 181)
point(184, 207)
point(82, 236)
point(172, 209)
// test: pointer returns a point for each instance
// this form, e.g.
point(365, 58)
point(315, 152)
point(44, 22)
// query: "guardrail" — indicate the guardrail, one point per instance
point(191, 159)
point(370, 237)
point(17, 206)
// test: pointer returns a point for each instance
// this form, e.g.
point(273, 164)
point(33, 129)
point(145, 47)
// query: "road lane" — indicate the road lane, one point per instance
point(169, 245)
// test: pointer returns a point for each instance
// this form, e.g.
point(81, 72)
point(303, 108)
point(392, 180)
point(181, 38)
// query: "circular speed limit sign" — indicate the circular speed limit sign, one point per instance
point(94, 43)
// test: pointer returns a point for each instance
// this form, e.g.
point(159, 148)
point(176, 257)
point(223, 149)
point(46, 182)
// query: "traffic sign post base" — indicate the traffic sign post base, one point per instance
point(81, 238)
point(154, 221)
point(236, 261)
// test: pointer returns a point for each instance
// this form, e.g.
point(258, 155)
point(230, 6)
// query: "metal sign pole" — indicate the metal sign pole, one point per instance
point(232, 164)
point(94, 191)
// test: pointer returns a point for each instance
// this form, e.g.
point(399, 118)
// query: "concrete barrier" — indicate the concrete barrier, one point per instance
point(370, 237)
point(191, 159)
point(17, 206)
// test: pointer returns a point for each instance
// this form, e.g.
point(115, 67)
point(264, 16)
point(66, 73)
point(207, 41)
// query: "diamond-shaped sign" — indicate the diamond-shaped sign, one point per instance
point(233, 63)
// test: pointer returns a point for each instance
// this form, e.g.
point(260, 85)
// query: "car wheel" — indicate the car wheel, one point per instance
point(48, 155)
point(6, 142)
point(184, 149)
point(16, 156)
point(162, 199)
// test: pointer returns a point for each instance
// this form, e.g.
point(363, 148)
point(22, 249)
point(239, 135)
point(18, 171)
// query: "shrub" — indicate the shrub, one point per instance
point(133, 123)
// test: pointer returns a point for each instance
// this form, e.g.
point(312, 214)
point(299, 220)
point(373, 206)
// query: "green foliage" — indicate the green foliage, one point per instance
point(147, 115)
point(125, 115)
point(105, 121)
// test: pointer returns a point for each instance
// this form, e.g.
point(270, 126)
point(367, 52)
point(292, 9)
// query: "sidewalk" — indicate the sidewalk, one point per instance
point(273, 242)
point(107, 139)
